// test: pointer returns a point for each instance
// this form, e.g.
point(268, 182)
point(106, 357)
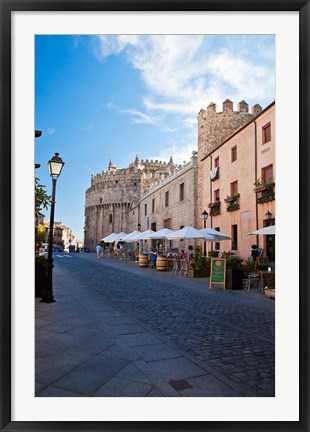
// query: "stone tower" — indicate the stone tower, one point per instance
point(214, 127)
point(113, 192)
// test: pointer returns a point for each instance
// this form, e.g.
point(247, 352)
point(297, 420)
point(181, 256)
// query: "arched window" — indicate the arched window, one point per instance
point(110, 218)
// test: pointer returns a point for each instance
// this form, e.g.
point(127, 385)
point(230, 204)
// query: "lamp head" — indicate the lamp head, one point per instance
point(268, 215)
point(55, 165)
point(204, 215)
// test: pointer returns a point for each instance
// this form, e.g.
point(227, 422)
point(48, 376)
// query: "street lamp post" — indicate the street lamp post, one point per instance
point(204, 216)
point(55, 167)
point(268, 215)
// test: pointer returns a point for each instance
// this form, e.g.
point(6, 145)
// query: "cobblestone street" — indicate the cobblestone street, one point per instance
point(229, 335)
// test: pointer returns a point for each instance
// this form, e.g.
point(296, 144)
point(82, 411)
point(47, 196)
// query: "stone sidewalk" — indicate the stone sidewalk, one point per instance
point(88, 347)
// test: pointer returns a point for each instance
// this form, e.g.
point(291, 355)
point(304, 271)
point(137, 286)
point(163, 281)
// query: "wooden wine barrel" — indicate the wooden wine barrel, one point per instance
point(161, 263)
point(143, 260)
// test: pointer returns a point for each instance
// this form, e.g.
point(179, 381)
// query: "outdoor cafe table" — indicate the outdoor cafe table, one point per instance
point(265, 276)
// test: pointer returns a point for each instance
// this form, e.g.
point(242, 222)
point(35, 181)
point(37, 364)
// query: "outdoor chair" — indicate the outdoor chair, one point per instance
point(175, 266)
point(253, 278)
point(184, 266)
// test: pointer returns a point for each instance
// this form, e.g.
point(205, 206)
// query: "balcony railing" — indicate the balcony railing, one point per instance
point(264, 191)
point(232, 202)
point(215, 208)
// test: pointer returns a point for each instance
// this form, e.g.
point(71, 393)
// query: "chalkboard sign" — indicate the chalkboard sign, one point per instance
point(218, 271)
point(262, 263)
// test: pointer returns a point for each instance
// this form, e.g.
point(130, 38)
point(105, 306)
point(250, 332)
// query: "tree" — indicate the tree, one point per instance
point(42, 199)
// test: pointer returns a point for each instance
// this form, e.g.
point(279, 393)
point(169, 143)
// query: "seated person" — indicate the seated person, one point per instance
point(182, 254)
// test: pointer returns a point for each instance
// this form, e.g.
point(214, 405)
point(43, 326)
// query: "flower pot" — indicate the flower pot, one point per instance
point(40, 280)
point(193, 273)
point(270, 293)
point(234, 279)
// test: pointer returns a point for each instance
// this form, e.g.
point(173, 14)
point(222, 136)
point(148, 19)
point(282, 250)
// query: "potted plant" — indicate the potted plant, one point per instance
point(199, 266)
point(270, 291)
point(213, 254)
point(40, 275)
point(234, 272)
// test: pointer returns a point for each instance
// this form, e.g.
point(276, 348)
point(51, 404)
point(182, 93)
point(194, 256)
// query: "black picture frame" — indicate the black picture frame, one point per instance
point(7, 7)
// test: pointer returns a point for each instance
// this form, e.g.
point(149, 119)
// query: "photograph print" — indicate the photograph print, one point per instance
point(155, 214)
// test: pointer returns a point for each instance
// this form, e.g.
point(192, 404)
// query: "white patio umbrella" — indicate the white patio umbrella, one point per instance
point(189, 232)
point(119, 237)
point(161, 234)
point(131, 236)
point(218, 236)
point(270, 230)
point(145, 235)
point(109, 238)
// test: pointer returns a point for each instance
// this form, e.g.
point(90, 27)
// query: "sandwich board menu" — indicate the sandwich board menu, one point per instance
point(218, 271)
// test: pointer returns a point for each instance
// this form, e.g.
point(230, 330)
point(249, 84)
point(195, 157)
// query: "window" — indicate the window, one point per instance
point(181, 191)
point(167, 223)
point(167, 199)
point(234, 237)
point(234, 154)
point(153, 226)
point(153, 205)
point(217, 162)
point(100, 200)
point(267, 133)
point(267, 174)
point(233, 188)
point(145, 209)
point(216, 195)
point(110, 218)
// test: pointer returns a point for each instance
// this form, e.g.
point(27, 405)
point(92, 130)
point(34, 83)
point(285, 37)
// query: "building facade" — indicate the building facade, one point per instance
point(238, 183)
point(231, 176)
point(170, 203)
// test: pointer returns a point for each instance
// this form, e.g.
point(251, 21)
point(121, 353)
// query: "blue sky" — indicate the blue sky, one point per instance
point(102, 97)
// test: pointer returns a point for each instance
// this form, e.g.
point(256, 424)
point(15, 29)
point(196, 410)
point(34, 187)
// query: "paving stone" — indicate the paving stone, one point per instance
point(48, 371)
point(118, 387)
point(97, 343)
point(51, 391)
point(208, 386)
point(156, 352)
point(131, 372)
point(228, 332)
point(177, 368)
point(140, 339)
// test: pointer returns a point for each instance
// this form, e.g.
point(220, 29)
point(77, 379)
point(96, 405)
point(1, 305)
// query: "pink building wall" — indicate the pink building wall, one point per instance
point(252, 156)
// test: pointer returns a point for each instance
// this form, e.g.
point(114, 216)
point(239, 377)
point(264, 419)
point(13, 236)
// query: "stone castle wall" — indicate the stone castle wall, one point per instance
point(113, 192)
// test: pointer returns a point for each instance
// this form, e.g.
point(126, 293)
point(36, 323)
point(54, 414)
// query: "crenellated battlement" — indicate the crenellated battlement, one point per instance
point(215, 126)
point(227, 107)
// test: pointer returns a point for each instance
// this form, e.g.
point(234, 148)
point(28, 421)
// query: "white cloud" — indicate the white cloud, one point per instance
point(50, 131)
point(184, 73)
point(140, 117)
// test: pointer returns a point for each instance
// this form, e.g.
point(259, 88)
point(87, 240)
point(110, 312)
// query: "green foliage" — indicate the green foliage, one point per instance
point(40, 261)
point(234, 263)
point(213, 254)
point(200, 262)
point(271, 283)
point(42, 199)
